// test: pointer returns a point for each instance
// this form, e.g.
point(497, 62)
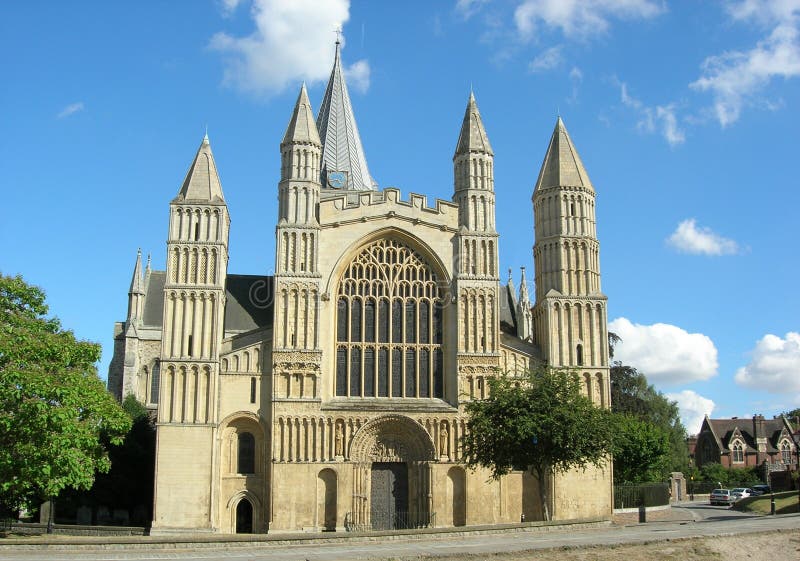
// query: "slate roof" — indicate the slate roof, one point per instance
point(249, 303)
point(724, 430)
point(508, 309)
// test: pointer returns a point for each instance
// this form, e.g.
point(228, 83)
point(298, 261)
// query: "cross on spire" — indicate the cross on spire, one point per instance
point(338, 32)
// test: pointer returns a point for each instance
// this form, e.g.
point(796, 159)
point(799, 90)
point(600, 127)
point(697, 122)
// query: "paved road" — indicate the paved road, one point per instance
point(698, 520)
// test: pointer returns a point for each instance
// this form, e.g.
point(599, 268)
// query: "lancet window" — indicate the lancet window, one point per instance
point(389, 325)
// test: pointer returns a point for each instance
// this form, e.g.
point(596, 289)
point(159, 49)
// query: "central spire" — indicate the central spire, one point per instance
point(344, 165)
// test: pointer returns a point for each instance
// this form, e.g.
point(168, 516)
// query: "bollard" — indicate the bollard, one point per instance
point(772, 503)
point(642, 514)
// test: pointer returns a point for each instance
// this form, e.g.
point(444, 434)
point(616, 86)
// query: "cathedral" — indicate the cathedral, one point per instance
point(330, 396)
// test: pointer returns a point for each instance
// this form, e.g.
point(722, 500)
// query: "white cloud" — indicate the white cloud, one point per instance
point(357, 75)
point(547, 60)
point(737, 78)
point(689, 238)
point(576, 77)
point(293, 41)
point(666, 354)
point(229, 6)
point(774, 365)
point(660, 118)
point(468, 8)
point(692, 407)
point(71, 109)
point(580, 18)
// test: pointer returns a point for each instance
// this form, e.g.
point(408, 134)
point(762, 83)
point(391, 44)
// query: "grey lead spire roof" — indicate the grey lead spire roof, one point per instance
point(562, 167)
point(341, 145)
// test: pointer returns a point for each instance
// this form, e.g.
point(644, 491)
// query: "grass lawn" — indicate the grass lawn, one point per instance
point(785, 503)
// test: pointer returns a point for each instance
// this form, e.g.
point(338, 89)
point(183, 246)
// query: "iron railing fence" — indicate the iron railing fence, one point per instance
point(705, 487)
point(633, 495)
point(391, 520)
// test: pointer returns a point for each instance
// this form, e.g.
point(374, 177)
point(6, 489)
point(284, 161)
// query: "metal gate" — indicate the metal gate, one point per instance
point(389, 496)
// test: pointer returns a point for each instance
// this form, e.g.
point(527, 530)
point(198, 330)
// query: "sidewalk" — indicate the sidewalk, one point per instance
point(204, 541)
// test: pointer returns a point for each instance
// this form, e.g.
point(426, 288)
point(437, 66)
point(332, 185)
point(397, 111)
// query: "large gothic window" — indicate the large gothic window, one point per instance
point(389, 325)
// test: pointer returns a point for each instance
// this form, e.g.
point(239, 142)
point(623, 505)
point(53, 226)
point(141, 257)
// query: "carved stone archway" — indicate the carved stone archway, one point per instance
point(392, 439)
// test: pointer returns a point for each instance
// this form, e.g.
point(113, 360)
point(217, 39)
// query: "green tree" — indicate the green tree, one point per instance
point(641, 451)
point(129, 483)
point(54, 409)
point(538, 419)
point(631, 394)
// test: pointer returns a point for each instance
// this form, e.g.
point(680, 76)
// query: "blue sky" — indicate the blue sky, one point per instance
point(685, 115)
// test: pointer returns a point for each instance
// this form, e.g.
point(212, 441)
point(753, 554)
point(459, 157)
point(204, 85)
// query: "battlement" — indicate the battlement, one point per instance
point(340, 208)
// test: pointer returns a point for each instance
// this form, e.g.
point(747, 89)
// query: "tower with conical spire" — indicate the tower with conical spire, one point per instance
point(570, 312)
point(349, 370)
point(193, 312)
point(476, 273)
point(344, 165)
point(297, 275)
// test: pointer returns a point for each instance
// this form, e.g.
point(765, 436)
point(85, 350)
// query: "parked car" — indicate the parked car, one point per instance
point(761, 490)
point(721, 497)
point(741, 492)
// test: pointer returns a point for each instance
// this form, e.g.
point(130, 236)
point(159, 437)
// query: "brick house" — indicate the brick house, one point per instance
point(740, 442)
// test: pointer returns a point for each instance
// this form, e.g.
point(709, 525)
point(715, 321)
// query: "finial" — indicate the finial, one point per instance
point(139, 253)
point(509, 273)
point(338, 32)
point(205, 137)
point(148, 260)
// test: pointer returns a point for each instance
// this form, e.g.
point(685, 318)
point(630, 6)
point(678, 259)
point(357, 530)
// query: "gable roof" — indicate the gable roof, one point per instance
point(725, 431)
point(248, 305)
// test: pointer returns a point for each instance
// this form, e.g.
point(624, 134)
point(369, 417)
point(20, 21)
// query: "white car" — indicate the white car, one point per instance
point(740, 493)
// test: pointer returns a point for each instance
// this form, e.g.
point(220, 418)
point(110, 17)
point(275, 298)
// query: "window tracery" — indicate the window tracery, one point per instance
point(738, 452)
point(389, 325)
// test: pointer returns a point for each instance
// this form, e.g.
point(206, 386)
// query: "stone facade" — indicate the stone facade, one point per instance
point(331, 395)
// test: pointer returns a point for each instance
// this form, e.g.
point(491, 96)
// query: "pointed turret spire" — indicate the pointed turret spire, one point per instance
point(341, 144)
point(135, 297)
point(137, 281)
point(202, 181)
point(562, 167)
point(473, 136)
point(511, 282)
point(524, 299)
point(302, 129)
point(524, 313)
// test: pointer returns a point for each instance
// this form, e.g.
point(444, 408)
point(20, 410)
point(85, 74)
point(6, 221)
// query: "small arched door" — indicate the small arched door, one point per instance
point(244, 517)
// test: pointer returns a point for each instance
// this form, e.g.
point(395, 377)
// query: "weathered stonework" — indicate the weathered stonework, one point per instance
point(297, 401)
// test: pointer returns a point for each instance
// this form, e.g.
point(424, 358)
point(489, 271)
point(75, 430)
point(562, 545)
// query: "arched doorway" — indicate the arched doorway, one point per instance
point(244, 517)
point(326, 500)
point(392, 477)
point(457, 495)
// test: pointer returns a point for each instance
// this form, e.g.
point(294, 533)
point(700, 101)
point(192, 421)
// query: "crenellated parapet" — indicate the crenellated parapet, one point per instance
point(340, 209)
